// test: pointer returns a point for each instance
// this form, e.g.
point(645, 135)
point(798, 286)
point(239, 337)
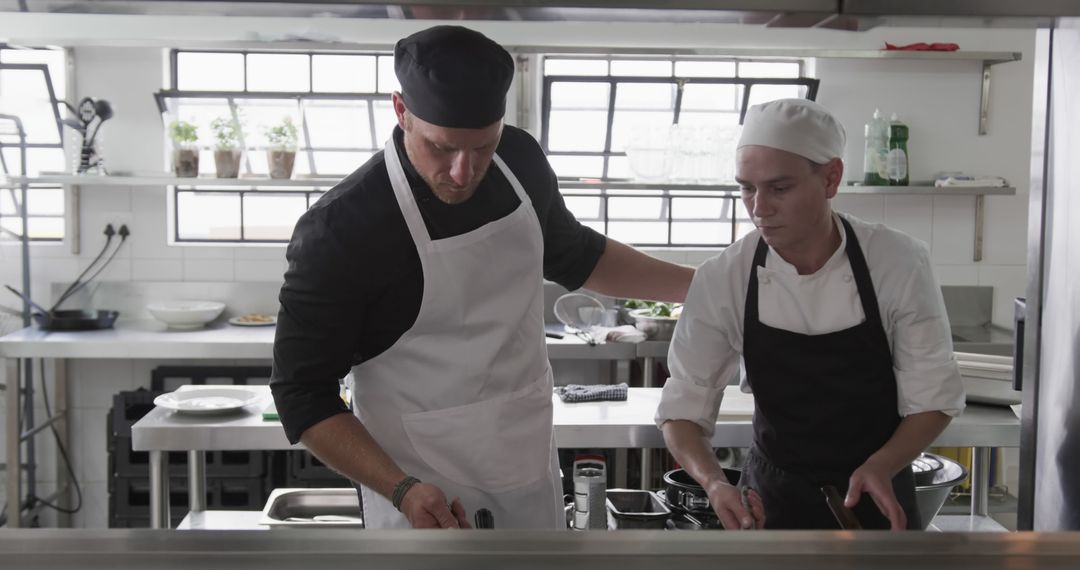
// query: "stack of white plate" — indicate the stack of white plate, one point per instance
point(988, 378)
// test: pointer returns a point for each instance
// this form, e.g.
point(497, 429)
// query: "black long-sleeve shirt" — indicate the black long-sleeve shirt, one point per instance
point(354, 282)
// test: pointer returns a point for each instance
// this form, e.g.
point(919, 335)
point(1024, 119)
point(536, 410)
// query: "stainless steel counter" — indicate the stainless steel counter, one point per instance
point(150, 339)
point(626, 424)
point(625, 550)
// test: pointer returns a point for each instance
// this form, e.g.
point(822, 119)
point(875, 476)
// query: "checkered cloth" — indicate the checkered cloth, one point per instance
point(592, 392)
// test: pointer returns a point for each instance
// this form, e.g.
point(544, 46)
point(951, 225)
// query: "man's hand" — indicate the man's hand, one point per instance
point(425, 506)
point(726, 501)
point(876, 481)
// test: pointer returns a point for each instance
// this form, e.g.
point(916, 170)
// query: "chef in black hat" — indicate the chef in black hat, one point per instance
point(421, 276)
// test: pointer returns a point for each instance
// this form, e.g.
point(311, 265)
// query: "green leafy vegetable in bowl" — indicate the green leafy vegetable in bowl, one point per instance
point(654, 308)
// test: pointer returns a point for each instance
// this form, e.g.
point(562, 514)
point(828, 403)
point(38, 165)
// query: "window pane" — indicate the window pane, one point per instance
point(338, 124)
point(575, 66)
point(343, 73)
point(703, 97)
point(38, 121)
point(54, 58)
point(388, 82)
point(385, 121)
point(577, 130)
point(261, 114)
point(577, 166)
point(635, 207)
point(569, 95)
point(584, 207)
point(640, 129)
point(46, 202)
point(209, 71)
point(38, 160)
point(639, 232)
point(645, 96)
point(342, 163)
point(39, 228)
point(700, 233)
point(699, 208)
point(650, 68)
point(618, 167)
point(768, 69)
point(766, 93)
point(705, 69)
point(278, 72)
point(743, 224)
point(201, 113)
point(208, 216)
point(23, 84)
point(272, 216)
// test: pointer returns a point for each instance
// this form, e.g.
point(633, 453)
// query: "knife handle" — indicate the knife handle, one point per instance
point(483, 519)
point(845, 516)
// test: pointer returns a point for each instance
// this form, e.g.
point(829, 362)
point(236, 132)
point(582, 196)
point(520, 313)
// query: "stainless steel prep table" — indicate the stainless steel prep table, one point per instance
point(592, 424)
point(149, 339)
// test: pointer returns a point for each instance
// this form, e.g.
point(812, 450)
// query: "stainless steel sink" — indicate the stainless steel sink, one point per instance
point(313, 508)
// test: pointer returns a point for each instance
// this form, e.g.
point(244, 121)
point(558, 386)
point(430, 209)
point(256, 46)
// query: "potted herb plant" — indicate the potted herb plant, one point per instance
point(227, 131)
point(185, 154)
point(282, 153)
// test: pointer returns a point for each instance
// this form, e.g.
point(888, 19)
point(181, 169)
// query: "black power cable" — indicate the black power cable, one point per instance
point(63, 453)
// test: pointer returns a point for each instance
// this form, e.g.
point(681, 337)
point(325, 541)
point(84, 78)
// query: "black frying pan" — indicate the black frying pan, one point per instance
point(76, 320)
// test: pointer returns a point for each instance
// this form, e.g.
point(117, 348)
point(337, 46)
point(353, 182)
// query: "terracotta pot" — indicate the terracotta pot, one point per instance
point(186, 162)
point(227, 163)
point(281, 163)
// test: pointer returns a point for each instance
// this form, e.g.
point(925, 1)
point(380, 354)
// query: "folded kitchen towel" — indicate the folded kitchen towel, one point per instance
point(971, 181)
point(572, 393)
point(624, 333)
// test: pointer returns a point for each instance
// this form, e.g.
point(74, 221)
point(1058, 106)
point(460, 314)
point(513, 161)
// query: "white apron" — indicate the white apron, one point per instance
point(463, 399)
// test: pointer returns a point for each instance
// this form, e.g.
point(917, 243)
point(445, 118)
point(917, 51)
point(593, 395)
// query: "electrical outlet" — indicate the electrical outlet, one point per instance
point(118, 219)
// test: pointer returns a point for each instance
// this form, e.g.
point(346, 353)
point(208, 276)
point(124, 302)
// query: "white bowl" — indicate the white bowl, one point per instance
point(186, 315)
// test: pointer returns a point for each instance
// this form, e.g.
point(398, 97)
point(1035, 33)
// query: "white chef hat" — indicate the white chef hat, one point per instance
point(798, 126)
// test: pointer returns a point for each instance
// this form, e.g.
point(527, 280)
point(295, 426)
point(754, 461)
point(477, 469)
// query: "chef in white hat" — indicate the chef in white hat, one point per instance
point(841, 330)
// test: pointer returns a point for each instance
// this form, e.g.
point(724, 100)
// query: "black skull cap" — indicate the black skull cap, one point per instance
point(453, 77)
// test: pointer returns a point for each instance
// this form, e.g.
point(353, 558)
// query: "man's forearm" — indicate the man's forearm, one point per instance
point(689, 446)
point(345, 445)
point(914, 434)
point(623, 271)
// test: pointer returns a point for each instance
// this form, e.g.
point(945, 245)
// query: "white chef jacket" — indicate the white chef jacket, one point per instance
point(706, 349)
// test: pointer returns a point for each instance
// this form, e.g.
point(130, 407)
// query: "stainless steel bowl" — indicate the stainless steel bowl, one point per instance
point(655, 328)
point(933, 488)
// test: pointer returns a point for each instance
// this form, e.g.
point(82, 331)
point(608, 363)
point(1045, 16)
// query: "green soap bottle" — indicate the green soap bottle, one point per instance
point(896, 164)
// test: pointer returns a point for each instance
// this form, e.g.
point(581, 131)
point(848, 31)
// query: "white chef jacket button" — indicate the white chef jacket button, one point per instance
point(847, 278)
point(764, 280)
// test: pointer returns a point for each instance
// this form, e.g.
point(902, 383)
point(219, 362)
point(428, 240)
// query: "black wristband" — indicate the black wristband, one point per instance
point(401, 488)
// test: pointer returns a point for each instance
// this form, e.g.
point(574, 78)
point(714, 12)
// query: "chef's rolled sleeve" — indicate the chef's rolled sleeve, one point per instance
point(927, 374)
point(315, 335)
point(701, 357)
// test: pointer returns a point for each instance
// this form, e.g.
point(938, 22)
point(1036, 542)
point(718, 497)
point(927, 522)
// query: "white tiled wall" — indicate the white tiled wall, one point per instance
point(938, 100)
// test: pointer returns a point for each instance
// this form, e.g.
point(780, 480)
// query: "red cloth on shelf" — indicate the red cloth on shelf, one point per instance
point(923, 47)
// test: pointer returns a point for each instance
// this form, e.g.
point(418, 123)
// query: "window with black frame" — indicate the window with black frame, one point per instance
point(338, 101)
point(644, 146)
point(25, 79)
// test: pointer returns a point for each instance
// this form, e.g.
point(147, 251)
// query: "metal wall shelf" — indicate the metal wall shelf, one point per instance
point(166, 180)
point(925, 189)
point(918, 189)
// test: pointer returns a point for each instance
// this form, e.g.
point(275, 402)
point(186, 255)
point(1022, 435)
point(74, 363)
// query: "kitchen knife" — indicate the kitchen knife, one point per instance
point(483, 519)
point(845, 516)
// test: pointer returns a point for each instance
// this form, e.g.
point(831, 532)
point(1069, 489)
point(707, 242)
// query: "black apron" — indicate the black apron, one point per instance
point(823, 405)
